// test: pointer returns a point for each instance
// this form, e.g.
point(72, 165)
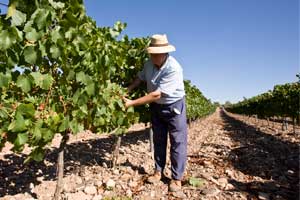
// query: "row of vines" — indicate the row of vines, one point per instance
point(197, 104)
point(281, 102)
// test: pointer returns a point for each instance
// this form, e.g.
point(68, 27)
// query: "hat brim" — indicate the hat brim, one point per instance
point(164, 49)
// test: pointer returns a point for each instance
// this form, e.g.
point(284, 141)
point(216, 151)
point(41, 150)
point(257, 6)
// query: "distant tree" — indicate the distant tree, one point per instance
point(227, 104)
point(217, 104)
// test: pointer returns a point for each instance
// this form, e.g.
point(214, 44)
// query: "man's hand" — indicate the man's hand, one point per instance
point(152, 96)
point(128, 102)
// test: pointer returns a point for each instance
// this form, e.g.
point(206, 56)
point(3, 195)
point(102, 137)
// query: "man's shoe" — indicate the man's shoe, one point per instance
point(155, 178)
point(175, 186)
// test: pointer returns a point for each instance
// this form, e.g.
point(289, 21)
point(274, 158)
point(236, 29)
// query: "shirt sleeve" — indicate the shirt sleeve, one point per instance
point(169, 82)
point(141, 74)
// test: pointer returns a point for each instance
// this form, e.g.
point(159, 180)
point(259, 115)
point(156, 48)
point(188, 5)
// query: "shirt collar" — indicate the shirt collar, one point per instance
point(163, 65)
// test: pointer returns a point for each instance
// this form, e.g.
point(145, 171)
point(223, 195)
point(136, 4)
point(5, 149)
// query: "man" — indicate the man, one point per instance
point(166, 95)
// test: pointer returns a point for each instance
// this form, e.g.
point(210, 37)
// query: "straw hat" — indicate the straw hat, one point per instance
point(160, 44)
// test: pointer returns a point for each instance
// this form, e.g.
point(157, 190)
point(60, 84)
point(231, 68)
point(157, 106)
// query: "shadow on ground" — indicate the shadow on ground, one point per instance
point(16, 177)
point(263, 155)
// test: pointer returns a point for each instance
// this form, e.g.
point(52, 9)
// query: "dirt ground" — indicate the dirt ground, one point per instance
point(230, 156)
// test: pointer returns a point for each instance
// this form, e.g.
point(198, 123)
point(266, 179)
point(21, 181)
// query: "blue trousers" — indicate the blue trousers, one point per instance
point(170, 118)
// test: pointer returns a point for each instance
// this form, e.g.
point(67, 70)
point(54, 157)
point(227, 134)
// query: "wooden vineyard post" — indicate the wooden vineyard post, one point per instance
point(116, 152)
point(60, 166)
point(294, 125)
point(284, 124)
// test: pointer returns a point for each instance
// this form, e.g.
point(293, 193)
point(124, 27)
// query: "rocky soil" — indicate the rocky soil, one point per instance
point(229, 156)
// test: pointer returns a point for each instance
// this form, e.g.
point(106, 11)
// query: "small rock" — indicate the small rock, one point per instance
point(98, 197)
point(105, 178)
point(40, 178)
point(179, 194)
point(118, 187)
point(122, 151)
point(147, 197)
point(189, 194)
point(207, 163)
point(229, 186)
point(78, 196)
point(100, 190)
point(31, 185)
point(108, 193)
point(278, 197)
point(110, 184)
point(222, 182)
point(242, 196)
point(12, 184)
point(290, 172)
point(69, 188)
point(80, 187)
point(129, 193)
point(125, 177)
point(90, 190)
point(133, 184)
point(98, 183)
point(229, 172)
point(129, 170)
point(116, 172)
point(263, 196)
point(210, 191)
point(195, 195)
point(152, 194)
point(27, 194)
point(78, 180)
point(104, 164)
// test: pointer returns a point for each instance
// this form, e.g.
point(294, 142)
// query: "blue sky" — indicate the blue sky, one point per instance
point(229, 49)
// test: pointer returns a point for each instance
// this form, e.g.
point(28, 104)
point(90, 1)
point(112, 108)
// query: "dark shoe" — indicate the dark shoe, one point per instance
point(175, 186)
point(155, 178)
